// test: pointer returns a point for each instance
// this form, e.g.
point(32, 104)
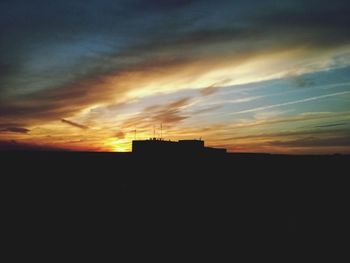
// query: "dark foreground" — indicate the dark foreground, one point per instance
point(170, 197)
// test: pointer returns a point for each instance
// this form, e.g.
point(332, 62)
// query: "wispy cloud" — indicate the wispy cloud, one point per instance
point(99, 61)
point(214, 87)
point(69, 60)
point(169, 114)
point(15, 130)
point(14, 145)
point(74, 124)
point(307, 116)
point(120, 135)
point(338, 141)
point(331, 125)
point(291, 102)
point(235, 101)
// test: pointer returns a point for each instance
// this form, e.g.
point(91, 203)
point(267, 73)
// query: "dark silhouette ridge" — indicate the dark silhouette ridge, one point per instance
point(201, 196)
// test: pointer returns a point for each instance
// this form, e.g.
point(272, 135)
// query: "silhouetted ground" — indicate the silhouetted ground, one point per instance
point(174, 196)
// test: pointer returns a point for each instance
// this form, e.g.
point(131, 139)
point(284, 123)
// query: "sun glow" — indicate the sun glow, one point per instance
point(118, 145)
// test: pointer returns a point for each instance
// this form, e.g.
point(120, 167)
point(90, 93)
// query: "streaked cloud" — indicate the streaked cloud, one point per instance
point(170, 114)
point(120, 135)
point(107, 66)
point(292, 102)
point(74, 124)
point(343, 141)
point(15, 129)
point(330, 125)
point(19, 146)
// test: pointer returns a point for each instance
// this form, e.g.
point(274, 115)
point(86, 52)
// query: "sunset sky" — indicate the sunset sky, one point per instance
point(250, 76)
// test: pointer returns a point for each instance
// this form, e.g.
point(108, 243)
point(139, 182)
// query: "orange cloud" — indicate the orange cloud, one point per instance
point(74, 124)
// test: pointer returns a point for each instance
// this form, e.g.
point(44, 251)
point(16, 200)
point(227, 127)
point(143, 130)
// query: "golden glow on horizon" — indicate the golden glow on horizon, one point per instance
point(220, 71)
point(115, 145)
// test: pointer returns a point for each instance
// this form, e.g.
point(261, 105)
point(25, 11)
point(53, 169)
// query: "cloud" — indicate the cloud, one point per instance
point(301, 81)
point(331, 125)
point(60, 60)
point(213, 88)
point(15, 130)
point(74, 124)
point(89, 44)
point(268, 107)
point(120, 135)
point(342, 141)
point(287, 134)
point(163, 5)
point(209, 90)
point(14, 145)
point(169, 114)
point(307, 116)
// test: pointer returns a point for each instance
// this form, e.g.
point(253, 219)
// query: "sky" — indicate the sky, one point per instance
point(250, 76)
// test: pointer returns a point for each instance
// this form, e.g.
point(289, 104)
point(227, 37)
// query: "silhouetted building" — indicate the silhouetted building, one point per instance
point(182, 147)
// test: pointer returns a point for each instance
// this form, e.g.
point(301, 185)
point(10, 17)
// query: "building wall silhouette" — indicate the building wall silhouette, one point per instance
point(183, 147)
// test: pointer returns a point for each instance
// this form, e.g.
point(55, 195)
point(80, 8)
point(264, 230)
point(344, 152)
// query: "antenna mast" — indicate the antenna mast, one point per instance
point(161, 131)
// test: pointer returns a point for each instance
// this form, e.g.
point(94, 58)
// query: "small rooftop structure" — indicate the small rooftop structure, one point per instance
point(156, 146)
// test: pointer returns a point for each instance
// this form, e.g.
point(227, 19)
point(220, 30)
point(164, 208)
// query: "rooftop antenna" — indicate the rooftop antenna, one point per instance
point(161, 131)
point(135, 134)
point(154, 131)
